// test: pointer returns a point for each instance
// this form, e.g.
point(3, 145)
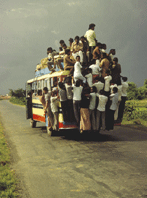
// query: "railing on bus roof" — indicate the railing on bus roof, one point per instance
point(44, 71)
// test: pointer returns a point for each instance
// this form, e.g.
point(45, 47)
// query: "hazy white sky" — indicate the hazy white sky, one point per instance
point(28, 28)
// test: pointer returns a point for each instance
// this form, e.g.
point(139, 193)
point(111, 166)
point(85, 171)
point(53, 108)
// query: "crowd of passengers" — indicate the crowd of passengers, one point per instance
point(90, 105)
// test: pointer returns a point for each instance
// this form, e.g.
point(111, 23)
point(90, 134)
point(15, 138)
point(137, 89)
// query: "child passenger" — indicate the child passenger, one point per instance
point(54, 108)
point(77, 71)
point(101, 110)
point(63, 100)
point(92, 107)
point(77, 93)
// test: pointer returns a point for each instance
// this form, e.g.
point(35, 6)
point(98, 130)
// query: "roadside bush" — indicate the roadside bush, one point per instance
point(141, 93)
point(132, 91)
point(20, 101)
point(130, 111)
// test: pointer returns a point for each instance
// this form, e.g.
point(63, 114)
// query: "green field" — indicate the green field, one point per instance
point(138, 116)
point(7, 177)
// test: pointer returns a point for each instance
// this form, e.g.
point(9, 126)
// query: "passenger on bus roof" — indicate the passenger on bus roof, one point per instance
point(68, 61)
point(77, 49)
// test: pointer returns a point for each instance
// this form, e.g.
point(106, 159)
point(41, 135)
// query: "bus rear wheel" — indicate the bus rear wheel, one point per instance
point(33, 123)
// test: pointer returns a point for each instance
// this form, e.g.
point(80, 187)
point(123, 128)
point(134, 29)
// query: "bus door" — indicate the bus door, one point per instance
point(29, 101)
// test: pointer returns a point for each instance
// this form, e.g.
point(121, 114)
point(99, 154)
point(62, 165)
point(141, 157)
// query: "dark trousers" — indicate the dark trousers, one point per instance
point(91, 53)
point(110, 120)
point(64, 110)
point(71, 117)
point(76, 108)
point(121, 108)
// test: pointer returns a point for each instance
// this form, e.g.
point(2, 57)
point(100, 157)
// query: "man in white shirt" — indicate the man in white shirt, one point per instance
point(91, 38)
point(77, 71)
point(112, 109)
point(77, 93)
point(95, 67)
point(92, 107)
point(98, 84)
point(101, 110)
point(89, 77)
point(123, 99)
point(107, 79)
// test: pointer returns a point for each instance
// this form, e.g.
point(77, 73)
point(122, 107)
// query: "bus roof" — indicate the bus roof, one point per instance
point(46, 76)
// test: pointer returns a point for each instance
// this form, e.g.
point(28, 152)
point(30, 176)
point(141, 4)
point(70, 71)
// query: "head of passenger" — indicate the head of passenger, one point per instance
point(70, 41)
point(104, 46)
point(68, 80)
point(91, 26)
point(61, 85)
point(64, 46)
point(45, 90)
point(115, 61)
point(49, 50)
point(89, 70)
point(61, 42)
point(78, 83)
point(67, 51)
point(53, 93)
point(101, 92)
point(39, 92)
point(103, 55)
point(77, 39)
point(124, 79)
point(78, 58)
point(82, 39)
point(115, 90)
point(86, 91)
point(107, 72)
point(98, 44)
point(113, 52)
point(93, 89)
point(60, 49)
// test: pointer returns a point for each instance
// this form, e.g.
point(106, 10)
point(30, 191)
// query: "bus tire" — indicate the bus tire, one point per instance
point(33, 123)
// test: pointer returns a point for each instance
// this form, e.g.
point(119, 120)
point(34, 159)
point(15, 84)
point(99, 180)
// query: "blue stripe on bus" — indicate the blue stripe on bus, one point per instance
point(38, 106)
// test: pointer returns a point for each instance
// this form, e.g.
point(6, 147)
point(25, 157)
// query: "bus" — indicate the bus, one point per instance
point(34, 108)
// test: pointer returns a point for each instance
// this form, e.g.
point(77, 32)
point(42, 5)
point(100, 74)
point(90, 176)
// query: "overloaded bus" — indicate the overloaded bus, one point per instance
point(34, 108)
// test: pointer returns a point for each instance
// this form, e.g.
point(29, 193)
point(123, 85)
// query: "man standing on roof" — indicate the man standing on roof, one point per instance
point(91, 38)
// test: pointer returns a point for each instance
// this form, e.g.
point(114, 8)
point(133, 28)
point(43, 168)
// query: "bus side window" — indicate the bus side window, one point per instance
point(49, 84)
point(55, 81)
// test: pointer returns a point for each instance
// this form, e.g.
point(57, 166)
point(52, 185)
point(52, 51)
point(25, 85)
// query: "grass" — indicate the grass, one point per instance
point(140, 120)
point(7, 176)
point(19, 101)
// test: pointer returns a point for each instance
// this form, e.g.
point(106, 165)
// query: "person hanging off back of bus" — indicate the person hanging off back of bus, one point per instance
point(63, 100)
point(54, 102)
point(47, 109)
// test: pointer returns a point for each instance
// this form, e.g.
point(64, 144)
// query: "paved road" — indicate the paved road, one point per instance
point(113, 164)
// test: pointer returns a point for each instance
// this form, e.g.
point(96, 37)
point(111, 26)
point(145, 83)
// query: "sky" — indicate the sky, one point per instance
point(29, 27)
